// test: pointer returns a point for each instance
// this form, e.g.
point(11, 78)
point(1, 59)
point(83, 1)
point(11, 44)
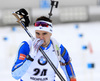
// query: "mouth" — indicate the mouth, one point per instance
point(44, 44)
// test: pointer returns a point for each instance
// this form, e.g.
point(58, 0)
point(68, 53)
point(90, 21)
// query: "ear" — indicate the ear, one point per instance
point(50, 34)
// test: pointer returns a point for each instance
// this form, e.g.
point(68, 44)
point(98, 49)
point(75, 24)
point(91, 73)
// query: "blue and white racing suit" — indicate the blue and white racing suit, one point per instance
point(39, 69)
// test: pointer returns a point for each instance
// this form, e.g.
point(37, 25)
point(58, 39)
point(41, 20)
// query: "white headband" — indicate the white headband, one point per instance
point(48, 29)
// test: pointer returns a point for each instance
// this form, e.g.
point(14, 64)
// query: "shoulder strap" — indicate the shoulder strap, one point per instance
point(56, 48)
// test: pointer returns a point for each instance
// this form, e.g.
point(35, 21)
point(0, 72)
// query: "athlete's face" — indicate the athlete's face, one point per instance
point(43, 35)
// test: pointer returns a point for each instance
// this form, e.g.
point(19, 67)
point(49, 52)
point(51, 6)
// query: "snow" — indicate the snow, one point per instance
point(68, 35)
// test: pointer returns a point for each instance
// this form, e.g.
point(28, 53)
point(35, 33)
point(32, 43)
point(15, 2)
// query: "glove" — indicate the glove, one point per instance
point(72, 79)
point(24, 16)
point(37, 43)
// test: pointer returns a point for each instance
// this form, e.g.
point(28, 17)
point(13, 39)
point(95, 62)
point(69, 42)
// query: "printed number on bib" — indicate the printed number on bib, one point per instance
point(39, 72)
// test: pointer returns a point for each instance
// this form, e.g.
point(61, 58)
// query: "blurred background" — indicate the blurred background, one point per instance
point(76, 24)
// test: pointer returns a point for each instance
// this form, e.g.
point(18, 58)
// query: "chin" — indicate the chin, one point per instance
point(43, 44)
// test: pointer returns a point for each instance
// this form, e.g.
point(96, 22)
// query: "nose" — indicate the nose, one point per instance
point(41, 37)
